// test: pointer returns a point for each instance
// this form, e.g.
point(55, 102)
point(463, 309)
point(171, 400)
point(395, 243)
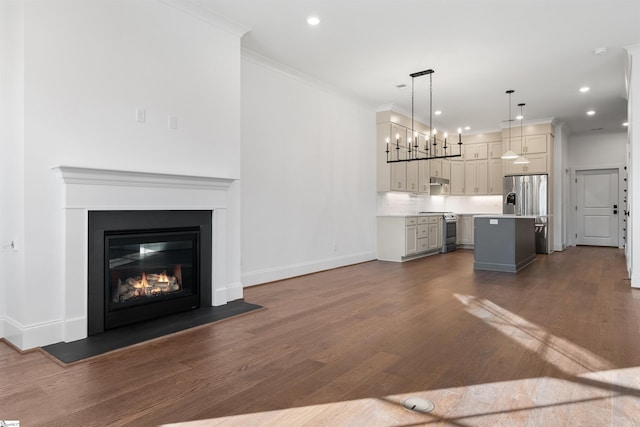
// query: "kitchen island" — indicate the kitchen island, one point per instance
point(504, 242)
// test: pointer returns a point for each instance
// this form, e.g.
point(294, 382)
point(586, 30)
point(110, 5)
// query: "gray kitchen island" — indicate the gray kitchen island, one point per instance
point(503, 242)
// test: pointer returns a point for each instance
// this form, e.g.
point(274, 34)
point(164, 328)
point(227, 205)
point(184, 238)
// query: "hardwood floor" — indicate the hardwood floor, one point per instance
point(556, 344)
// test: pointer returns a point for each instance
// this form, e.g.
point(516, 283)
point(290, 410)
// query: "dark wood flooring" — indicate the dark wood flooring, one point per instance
point(371, 330)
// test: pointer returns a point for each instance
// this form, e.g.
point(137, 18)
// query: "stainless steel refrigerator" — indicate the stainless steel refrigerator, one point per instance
point(528, 195)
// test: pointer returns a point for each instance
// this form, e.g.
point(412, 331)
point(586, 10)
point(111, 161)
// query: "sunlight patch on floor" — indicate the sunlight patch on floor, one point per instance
point(609, 398)
point(594, 395)
point(561, 353)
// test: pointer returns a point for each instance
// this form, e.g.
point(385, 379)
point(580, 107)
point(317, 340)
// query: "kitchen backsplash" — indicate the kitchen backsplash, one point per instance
point(409, 204)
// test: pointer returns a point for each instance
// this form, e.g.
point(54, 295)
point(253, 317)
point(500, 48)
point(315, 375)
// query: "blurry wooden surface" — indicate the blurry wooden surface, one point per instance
point(556, 344)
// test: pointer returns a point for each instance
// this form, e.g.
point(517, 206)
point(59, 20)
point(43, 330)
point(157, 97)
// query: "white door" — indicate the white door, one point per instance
point(597, 207)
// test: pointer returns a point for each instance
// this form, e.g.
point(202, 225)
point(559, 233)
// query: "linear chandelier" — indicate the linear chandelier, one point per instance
point(413, 147)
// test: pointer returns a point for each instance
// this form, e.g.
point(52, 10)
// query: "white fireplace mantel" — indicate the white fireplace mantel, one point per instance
point(88, 176)
point(87, 189)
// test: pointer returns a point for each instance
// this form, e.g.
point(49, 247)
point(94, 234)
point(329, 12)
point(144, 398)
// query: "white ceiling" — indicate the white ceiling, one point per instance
point(542, 49)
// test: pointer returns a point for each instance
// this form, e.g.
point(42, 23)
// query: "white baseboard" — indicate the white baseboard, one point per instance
point(27, 337)
point(279, 273)
point(75, 329)
point(635, 280)
point(231, 292)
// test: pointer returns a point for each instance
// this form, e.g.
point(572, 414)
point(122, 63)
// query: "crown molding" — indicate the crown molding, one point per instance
point(279, 67)
point(201, 11)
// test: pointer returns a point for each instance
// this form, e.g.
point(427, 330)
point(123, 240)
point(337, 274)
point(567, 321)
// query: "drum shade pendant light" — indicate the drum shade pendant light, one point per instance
point(430, 150)
point(522, 160)
point(509, 155)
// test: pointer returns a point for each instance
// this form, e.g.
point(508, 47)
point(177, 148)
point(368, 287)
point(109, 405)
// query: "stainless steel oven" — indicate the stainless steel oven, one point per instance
point(449, 231)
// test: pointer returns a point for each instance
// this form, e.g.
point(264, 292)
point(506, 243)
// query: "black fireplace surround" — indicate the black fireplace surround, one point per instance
point(147, 264)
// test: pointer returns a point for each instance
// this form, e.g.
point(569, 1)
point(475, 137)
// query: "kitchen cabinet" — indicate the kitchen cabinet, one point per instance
point(475, 151)
point(398, 150)
point(436, 168)
point(393, 176)
point(435, 233)
point(538, 163)
point(536, 148)
point(411, 239)
point(476, 177)
point(496, 150)
point(405, 237)
point(412, 176)
point(503, 242)
point(457, 180)
point(424, 174)
point(495, 176)
point(446, 168)
point(530, 144)
point(417, 173)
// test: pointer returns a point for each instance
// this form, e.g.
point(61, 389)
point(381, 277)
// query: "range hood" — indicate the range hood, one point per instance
point(438, 181)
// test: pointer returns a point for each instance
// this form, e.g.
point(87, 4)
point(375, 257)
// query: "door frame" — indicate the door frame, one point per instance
point(574, 199)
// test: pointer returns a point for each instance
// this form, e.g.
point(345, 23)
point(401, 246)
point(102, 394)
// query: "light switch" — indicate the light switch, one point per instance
point(141, 115)
point(173, 122)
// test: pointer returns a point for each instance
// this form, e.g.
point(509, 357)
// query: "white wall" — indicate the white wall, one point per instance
point(633, 252)
point(562, 188)
point(597, 150)
point(87, 67)
point(12, 270)
point(308, 175)
point(594, 151)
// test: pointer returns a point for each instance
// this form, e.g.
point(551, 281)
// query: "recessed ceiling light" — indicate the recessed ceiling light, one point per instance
point(600, 51)
point(437, 112)
point(591, 112)
point(625, 124)
point(313, 20)
point(519, 117)
point(467, 127)
point(584, 89)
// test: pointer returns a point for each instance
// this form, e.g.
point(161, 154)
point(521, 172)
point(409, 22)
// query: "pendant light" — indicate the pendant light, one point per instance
point(522, 160)
point(509, 155)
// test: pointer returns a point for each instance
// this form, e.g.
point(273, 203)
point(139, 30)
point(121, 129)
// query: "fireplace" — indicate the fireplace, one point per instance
point(146, 264)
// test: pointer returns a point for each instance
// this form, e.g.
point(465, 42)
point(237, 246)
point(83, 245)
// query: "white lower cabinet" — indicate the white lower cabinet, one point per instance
point(411, 240)
point(405, 237)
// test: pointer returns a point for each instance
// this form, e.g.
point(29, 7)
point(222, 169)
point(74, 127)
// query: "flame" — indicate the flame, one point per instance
point(152, 284)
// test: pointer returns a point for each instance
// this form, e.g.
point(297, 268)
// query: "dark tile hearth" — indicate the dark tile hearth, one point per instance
point(134, 334)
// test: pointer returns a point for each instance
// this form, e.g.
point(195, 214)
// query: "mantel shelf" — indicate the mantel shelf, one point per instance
point(91, 176)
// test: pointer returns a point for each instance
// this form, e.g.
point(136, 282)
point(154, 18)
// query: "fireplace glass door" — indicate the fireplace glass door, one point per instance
point(149, 273)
